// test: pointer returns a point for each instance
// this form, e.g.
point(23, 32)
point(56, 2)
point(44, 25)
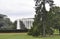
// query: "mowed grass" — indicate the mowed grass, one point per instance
point(24, 36)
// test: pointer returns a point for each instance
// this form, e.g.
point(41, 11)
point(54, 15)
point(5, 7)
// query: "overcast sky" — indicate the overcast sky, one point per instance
point(17, 9)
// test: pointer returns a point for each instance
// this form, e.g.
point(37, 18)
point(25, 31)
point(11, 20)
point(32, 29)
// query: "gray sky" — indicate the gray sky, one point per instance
point(17, 9)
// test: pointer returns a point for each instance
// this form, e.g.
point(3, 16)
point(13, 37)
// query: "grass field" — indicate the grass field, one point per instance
point(24, 36)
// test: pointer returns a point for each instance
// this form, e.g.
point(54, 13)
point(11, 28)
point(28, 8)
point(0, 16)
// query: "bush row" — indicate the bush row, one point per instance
point(13, 31)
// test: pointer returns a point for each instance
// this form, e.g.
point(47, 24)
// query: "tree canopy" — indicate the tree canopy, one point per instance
point(5, 23)
point(43, 19)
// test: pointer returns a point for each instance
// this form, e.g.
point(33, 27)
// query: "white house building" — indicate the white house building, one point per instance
point(28, 22)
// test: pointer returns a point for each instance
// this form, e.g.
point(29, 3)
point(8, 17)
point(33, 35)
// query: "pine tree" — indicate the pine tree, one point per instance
point(40, 21)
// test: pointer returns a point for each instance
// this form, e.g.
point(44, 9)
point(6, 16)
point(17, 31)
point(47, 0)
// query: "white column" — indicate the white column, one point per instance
point(18, 24)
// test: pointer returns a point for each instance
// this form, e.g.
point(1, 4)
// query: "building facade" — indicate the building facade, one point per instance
point(27, 22)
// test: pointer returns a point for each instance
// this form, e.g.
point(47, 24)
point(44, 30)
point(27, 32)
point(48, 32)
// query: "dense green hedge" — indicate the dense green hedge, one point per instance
point(13, 31)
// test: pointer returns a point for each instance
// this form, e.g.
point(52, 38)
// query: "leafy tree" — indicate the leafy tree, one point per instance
point(5, 23)
point(40, 25)
point(56, 19)
point(15, 24)
point(22, 25)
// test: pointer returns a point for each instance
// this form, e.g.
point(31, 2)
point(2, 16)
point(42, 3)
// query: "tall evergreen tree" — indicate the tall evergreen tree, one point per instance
point(40, 20)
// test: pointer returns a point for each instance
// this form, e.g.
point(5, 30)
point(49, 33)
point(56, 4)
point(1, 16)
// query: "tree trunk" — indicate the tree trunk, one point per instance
point(44, 18)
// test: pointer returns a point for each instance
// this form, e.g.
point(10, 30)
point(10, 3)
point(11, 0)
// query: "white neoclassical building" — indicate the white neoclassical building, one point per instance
point(28, 22)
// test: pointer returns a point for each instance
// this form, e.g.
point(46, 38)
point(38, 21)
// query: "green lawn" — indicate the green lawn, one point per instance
point(24, 36)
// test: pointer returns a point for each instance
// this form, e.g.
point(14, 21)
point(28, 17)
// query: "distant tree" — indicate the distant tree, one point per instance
point(9, 24)
point(2, 22)
point(5, 23)
point(2, 16)
point(22, 25)
point(15, 24)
